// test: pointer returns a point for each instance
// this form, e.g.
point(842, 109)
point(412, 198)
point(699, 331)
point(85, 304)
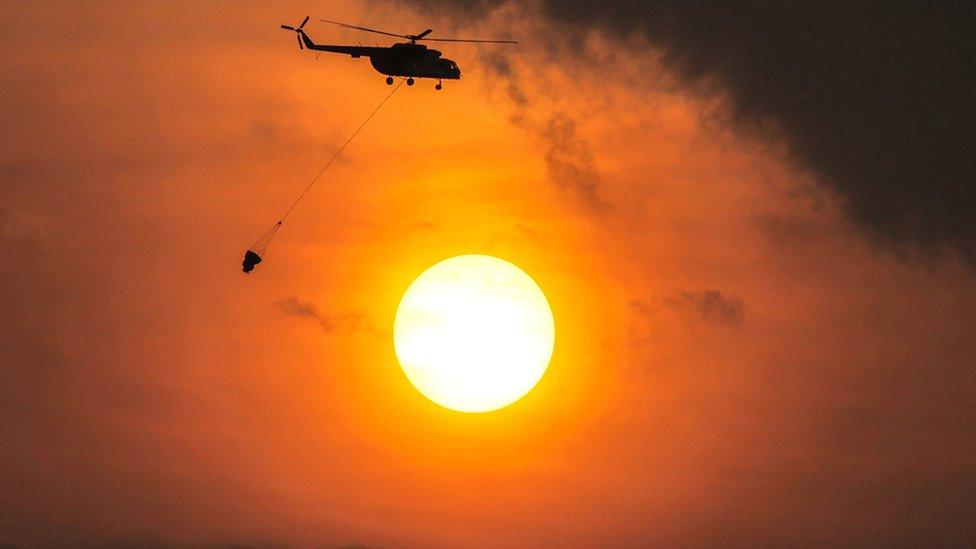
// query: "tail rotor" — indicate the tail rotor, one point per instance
point(298, 31)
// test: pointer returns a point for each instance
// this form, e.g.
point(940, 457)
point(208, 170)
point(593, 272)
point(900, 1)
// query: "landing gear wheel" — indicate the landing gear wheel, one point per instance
point(438, 86)
point(410, 81)
point(389, 80)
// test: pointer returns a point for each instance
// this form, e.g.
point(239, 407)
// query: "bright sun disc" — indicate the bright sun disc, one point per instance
point(474, 333)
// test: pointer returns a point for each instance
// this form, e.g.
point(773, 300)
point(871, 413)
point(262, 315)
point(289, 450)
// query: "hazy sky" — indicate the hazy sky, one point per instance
point(743, 355)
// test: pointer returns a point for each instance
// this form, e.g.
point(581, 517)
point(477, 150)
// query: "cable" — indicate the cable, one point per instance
point(338, 152)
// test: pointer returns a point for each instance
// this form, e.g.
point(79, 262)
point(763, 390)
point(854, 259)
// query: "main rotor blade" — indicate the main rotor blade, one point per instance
point(465, 40)
point(364, 29)
point(423, 34)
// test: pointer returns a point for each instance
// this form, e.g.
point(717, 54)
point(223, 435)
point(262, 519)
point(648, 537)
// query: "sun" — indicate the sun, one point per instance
point(474, 333)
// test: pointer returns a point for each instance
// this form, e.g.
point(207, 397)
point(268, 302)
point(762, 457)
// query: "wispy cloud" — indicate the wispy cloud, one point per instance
point(293, 306)
point(708, 305)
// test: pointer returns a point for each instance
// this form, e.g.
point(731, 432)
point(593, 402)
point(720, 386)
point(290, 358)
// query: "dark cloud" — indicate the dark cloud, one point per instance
point(787, 230)
point(570, 161)
point(569, 158)
point(499, 62)
point(306, 309)
point(710, 305)
point(875, 97)
point(707, 305)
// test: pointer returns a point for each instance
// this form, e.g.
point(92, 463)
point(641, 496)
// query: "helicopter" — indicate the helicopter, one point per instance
point(408, 60)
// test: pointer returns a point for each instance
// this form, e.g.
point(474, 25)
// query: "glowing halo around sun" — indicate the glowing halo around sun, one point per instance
point(474, 333)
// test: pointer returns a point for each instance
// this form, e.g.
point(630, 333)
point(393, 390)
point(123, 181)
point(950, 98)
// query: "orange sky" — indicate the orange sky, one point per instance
point(734, 360)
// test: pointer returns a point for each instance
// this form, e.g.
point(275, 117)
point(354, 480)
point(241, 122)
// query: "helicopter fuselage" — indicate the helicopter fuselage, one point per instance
point(414, 60)
point(405, 59)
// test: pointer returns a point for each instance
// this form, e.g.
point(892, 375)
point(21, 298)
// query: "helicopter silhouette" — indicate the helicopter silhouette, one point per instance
point(408, 60)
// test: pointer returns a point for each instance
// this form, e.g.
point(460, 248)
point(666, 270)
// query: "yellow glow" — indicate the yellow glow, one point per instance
point(474, 333)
